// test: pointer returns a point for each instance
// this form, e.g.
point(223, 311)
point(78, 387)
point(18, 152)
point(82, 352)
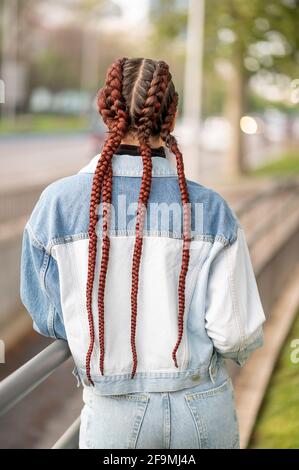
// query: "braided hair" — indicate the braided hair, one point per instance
point(139, 97)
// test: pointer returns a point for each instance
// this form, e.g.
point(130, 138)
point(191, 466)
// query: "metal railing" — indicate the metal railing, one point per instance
point(277, 186)
point(289, 185)
point(25, 379)
point(70, 439)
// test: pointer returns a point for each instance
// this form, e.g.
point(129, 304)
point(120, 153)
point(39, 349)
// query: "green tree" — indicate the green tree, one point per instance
point(249, 37)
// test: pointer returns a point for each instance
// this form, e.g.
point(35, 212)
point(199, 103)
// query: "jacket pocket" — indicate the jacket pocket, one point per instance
point(112, 421)
point(214, 416)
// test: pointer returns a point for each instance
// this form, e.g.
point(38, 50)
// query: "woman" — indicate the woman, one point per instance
point(147, 276)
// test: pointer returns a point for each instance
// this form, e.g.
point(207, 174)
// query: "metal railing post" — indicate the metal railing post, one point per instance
point(21, 382)
point(70, 439)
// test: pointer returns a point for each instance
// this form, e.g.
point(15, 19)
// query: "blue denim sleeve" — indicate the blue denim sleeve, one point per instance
point(39, 287)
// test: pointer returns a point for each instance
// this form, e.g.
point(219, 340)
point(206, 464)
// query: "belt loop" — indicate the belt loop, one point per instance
point(213, 367)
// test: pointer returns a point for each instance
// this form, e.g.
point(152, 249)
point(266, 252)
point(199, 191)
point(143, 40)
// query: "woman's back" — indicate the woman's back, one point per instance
point(146, 275)
point(217, 263)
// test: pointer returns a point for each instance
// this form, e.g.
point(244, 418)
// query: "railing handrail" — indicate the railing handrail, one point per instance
point(290, 183)
point(70, 439)
point(25, 379)
point(288, 206)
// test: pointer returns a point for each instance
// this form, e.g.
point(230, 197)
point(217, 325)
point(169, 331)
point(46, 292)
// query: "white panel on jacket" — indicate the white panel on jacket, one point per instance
point(157, 317)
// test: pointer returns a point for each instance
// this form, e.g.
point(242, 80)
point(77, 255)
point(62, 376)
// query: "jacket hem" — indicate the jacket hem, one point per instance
point(163, 382)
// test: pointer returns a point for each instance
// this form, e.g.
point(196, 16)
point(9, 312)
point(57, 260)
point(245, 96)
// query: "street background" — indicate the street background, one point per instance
point(235, 65)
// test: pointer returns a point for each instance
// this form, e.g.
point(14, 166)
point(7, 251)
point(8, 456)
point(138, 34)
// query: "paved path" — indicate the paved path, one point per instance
point(252, 382)
point(28, 161)
point(36, 159)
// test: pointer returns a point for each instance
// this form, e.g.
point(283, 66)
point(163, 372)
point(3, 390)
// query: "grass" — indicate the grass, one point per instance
point(278, 423)
point(287, 165)
point(40, 123)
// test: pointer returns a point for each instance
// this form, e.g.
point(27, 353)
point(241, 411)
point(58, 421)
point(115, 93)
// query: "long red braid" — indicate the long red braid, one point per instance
point(153, 114)
point(106, 201)
point(172, 144)
point(113, 109)
point(145, 123)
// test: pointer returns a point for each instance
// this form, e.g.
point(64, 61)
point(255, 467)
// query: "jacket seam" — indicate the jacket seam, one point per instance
point(51, 321)
point(51, 311)
point(189, 294)
point(42, 278)
point(186, 373)
point(138, 174)
point(235, 303)
point(190, 303)
point(43, 270)
point(131, 233)
point(249, 340)
point(35, 241)
point(237, 226)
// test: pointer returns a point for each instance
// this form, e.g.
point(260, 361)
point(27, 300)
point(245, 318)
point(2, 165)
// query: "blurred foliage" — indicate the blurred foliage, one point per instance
point(277, 424)
point(286, 165)
point(52, 56)
point(40, 123)
point(257, 103)
point(256, 25)
point(55, 67)
point(241, 40)
point(233, 27)
point(26, 21)
point(254, 36)
point(170, 21)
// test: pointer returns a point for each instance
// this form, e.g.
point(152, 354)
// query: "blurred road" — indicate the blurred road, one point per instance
point(30, 160)
point(26, 161)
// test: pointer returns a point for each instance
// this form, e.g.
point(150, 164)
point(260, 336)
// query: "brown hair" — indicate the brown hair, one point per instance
point(138, 96)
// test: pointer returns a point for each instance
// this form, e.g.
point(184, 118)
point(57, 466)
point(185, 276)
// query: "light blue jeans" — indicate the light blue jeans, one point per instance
point(202, 416)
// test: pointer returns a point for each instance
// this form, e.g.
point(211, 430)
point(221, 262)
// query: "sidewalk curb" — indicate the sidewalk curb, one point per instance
point(252, 381)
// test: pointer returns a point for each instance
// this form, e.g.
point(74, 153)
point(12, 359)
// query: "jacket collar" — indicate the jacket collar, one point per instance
point(128, 165)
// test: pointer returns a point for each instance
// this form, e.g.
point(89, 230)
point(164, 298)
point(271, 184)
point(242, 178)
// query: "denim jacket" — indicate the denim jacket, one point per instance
point(223, 312)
